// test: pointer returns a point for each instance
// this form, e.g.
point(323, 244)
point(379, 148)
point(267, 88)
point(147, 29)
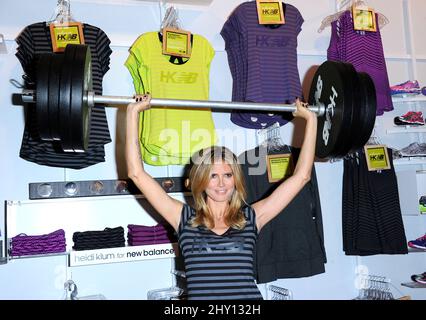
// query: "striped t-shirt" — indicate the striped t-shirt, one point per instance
point(263, 62)
point(35, 40)
point(219, 267)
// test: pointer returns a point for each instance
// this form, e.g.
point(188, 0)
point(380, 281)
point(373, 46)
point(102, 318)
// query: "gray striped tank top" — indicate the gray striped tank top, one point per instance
point(219, 267)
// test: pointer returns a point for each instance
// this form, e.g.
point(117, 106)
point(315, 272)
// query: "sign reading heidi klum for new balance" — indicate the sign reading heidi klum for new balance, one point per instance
point(123, 254)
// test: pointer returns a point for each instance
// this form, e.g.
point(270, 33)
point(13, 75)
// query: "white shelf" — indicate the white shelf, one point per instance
point(414, 285)
point(113, 255)
point(410, 161)
point(133, 2)
point(123, 254)
point(417, 98)
point(407, 129)
point(414, 250)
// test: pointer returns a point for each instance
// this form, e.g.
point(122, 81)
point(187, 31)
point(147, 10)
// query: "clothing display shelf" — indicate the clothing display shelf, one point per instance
point(27, 215)
point(112, 255)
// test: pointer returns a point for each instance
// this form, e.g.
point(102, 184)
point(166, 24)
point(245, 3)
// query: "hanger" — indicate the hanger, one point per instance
point(326, 22)
point(171, 19)
point(62, 12)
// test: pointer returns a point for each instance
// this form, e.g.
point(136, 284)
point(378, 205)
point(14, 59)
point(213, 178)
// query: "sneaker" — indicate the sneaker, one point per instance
point(406, 88)
point(414, 149)
point(419, 243)
point(410, 118)
point(421, 278)
point(423, 90)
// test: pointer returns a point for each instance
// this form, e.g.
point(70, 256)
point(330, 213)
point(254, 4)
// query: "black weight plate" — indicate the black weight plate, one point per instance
point(54, 91)
point(42, 96)
point(81, 75)
point(65, 100)
point(351, 116)
point(368, 118)
point(329, 88)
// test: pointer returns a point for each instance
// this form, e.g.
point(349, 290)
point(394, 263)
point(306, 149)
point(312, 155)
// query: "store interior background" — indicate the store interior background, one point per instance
point(123, 21)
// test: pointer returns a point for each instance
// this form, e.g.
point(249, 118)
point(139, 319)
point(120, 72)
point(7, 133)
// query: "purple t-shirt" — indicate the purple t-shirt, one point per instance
point(263, 63)
point(364, 50)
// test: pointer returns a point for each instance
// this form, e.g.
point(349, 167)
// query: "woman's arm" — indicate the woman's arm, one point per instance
point(269, 207)
point(169, 208)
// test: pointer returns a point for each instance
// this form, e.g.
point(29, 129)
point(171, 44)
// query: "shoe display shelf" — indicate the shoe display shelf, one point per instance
point(410, 161)
point(414, 285)
point(112, 255)
point(407, 99)
point(416, 250)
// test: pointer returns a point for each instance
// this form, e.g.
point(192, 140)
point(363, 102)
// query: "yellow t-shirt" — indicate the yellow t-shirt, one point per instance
point(172, 135)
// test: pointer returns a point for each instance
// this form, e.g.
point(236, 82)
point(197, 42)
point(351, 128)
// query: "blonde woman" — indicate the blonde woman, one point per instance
point(217, 236)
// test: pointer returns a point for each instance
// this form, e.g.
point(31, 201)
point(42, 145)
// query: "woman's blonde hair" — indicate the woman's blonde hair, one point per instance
point(199, 177)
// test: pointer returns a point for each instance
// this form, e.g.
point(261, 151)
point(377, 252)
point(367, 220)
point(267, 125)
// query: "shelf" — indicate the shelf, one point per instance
point(417, 98)
point(45, 255)
point(112, 255)
point(410, 161)
point(414, 285)
point(133, 2)
point(123, 254)
point(407, 129)
point(414, 250)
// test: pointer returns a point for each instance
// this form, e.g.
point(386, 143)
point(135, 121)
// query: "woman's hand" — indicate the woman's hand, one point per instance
point(302, 111)
point(142, 103)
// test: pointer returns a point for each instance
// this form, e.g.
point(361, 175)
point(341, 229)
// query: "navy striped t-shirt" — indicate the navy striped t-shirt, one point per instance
point(219, 267)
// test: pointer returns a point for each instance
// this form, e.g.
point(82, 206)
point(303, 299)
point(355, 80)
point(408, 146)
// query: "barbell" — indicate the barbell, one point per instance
point(344, 101)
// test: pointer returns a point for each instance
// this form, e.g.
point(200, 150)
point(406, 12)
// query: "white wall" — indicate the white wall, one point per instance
point(123, 22)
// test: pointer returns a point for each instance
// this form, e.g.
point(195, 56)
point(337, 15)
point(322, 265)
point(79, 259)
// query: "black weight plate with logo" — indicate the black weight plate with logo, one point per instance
point(80, 83)
point(65, 125)
point(351, 112)
point(368, 118)
point(42, 96)
point(328, 88)
point(54, 89)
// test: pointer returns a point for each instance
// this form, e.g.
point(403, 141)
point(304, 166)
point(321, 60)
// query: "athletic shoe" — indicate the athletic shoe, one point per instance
point(407, 88)
point(424, 91)
point(414, 149)
point(410, 118)
point(419, 243)
point(420, 278)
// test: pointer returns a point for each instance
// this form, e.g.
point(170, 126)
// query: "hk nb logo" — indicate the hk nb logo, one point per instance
point(270, 41)
point(234, 245)
point(178, 77)
point(67, 37)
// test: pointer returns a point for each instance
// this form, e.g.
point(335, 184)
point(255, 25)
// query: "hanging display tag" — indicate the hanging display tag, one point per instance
point(177, 43)
point(279, 166)
point(63, 34)
point(364, 18)
point(270, 12)
point(377, 157)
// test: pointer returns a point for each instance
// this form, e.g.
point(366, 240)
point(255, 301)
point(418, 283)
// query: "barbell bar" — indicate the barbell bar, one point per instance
point(344, 101)
point(29, 96)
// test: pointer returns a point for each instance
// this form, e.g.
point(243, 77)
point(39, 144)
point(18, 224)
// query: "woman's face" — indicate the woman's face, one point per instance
point(221, 185)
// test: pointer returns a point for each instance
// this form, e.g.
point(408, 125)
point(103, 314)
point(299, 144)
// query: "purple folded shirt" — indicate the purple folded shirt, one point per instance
point(148, 242)
point(157, 228)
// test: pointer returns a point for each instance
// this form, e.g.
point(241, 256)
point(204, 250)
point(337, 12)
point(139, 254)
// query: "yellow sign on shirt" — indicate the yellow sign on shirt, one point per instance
point(364, 19)
point(377, 157)
point(270, 12)
point(64, 34)
point(280, 166)
point(177, 43)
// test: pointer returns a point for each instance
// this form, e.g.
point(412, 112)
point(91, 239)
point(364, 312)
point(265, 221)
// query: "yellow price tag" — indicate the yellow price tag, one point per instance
point(177, 43)
point(364, 19)
point(64, 34)
point(377, 157)
point(280, 166)
point(270, 12)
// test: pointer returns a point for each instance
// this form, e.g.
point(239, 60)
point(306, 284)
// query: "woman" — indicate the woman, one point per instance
point(217, 237)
